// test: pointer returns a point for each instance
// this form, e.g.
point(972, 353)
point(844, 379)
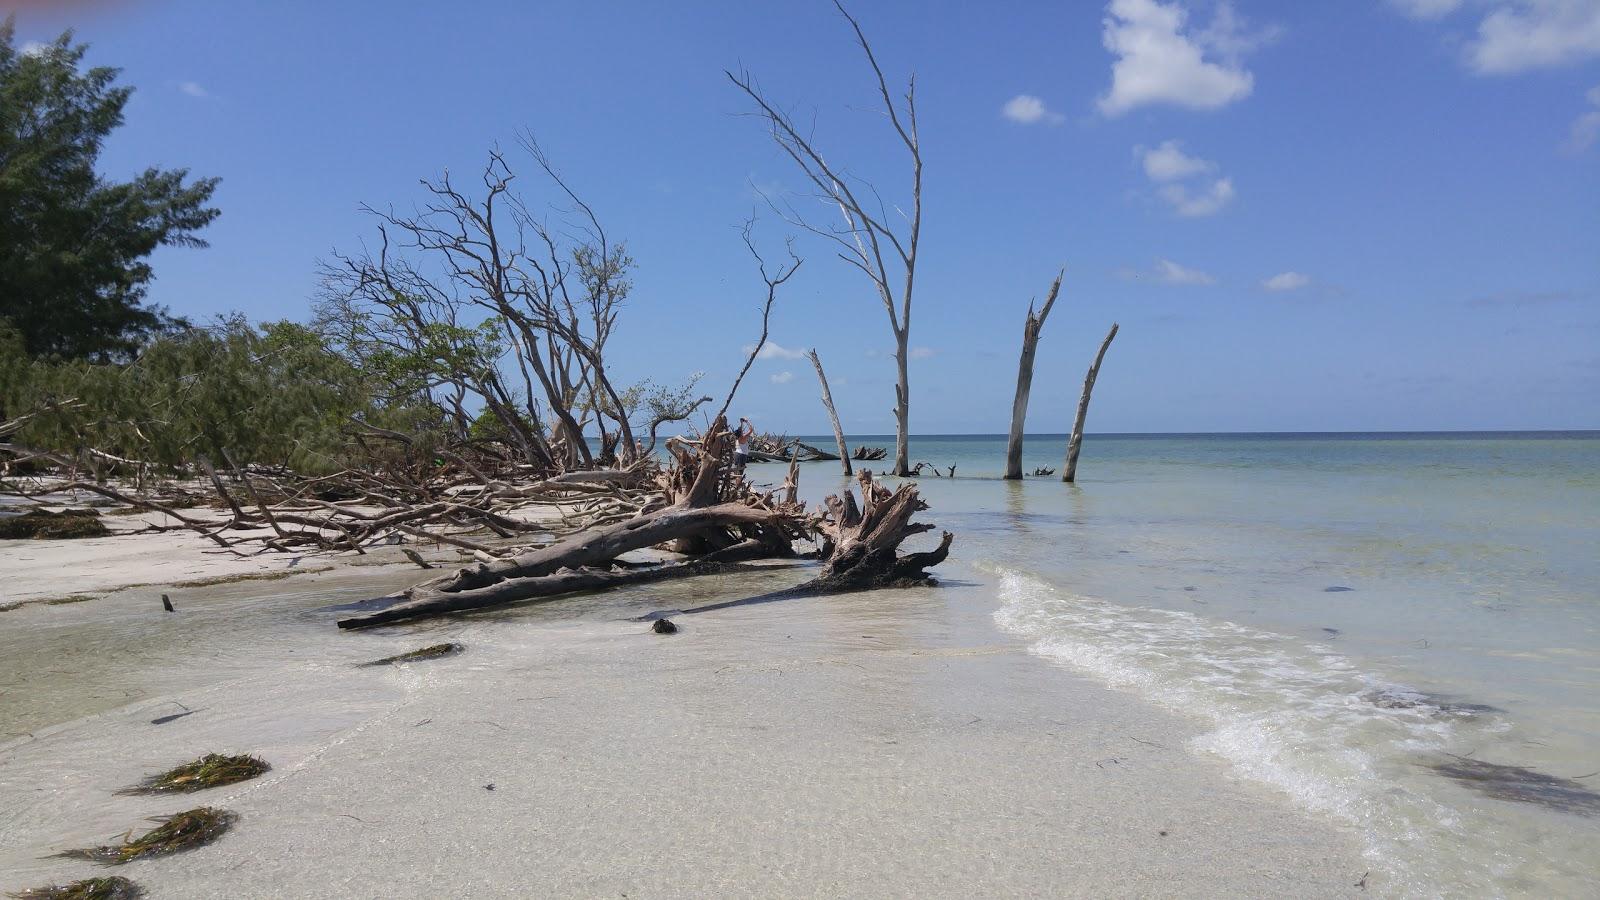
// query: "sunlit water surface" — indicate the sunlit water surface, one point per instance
point(1344, 614)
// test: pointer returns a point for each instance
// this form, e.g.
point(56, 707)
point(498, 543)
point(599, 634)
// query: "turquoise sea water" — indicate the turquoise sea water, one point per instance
point(1399, 631)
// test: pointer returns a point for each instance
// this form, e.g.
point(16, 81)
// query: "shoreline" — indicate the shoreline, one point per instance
point(891, 743)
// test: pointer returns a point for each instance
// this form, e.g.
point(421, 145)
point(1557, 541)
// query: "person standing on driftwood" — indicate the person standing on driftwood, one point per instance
point(741, 444)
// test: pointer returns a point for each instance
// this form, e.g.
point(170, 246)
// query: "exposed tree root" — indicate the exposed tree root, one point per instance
point(719, 520)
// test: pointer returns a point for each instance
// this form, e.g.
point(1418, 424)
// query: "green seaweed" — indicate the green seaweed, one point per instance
point(433, 652)
point(114, 888)
point(42, 524)
point(176, 833)
point(211, 770)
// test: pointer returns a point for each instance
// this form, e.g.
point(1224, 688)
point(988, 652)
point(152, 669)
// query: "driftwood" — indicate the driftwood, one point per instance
point(869, 453)
point(266, 510)
point(721, 519)
point(781, 448)
point(713, 513)
point(1031, 327)
point(1044, 470)
point(833, 415)
point(865, 541)
point(1071, 471)
point(861, 546)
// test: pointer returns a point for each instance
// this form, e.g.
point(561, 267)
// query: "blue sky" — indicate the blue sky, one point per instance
point(1372, 214)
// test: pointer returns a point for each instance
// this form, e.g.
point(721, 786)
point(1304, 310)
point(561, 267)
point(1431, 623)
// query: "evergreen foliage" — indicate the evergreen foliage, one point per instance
point(74, 245)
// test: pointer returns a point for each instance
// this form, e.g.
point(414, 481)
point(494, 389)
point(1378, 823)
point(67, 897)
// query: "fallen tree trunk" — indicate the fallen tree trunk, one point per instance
point(811, 454)
point(596, 546)
point(517, 590)
point(1071, 471)
point(860, 547)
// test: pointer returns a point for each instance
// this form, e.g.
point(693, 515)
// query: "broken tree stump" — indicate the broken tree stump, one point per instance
point(1071, 471)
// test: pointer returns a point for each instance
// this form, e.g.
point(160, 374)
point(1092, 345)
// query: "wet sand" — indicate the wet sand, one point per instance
point(892, 744)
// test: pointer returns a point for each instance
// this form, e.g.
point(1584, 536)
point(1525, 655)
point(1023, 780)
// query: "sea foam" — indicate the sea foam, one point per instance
point(1296, 716)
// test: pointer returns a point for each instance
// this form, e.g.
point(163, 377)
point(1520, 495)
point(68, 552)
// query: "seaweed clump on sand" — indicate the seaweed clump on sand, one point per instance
point(176, 833)
point(114, 888)
point(43, 524)
point(211, 770)
point(433, 652)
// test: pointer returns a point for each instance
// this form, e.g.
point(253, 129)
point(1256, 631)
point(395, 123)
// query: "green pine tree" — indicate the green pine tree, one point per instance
point(74, 245)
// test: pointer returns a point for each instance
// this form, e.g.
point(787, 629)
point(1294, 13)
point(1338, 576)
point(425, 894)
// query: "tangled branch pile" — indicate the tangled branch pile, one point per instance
point(715, 520)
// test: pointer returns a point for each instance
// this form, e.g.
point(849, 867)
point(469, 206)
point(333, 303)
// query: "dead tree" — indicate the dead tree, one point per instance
point(552, 302)
point(774, 281)
point(887, 256)
point(866, 541)
point(1070, 473)
point(1019, 405)
point(833, 414)
point(859, 542)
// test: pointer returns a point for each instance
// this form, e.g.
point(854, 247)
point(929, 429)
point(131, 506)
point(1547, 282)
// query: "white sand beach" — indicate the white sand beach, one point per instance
point(891, 744)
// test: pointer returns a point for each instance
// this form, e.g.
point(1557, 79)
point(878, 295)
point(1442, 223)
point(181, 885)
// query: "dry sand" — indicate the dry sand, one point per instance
point(892, 744)
point(32, 571)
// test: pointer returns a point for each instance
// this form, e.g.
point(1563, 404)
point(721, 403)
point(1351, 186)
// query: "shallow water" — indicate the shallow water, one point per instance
point(1346, 615)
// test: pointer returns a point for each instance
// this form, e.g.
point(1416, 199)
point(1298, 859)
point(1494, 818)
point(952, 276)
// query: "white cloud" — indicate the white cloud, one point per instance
point(193, 89)
point(771, 350)
point(1527, 34)
point(1168, 162)
point(1029, 110)
point(1426, 9)
point(33, 48)
point(1188, 184)
point(1158, 63)
point(782, 377)
point(922, 352)
point(1586, 127)
point(1169, 272)
point(1286, 281)
point(1201, 201)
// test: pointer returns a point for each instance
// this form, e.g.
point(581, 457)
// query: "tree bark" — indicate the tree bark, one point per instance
point(902, 409)
point(833, 415)
point(540, 572)
point(860, 551)
point(1019, 405)
point(521, 589)
point(1070, 473)
point(865, 540)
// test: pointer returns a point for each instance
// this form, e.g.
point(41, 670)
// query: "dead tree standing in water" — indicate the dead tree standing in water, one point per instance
point(1019, 406)
point(833, 415)
point(887, 256)
point(1071, 472)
